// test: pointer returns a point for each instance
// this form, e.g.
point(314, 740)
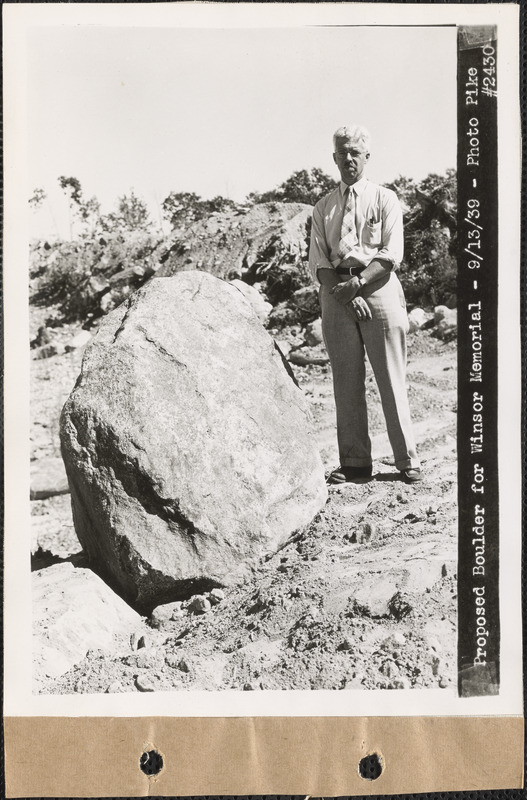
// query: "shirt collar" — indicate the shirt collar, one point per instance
point(358, 187)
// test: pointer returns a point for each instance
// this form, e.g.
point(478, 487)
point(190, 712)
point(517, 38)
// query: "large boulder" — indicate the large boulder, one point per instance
point(187, 445)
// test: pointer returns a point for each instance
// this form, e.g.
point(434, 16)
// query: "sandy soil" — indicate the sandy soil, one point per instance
point(365, 597)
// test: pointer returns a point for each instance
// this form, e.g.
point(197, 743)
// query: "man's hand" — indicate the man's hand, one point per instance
point(360, 309)
point(345, 292)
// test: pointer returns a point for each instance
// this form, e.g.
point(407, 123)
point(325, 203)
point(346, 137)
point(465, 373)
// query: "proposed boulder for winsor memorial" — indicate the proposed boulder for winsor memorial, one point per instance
point(187, 445)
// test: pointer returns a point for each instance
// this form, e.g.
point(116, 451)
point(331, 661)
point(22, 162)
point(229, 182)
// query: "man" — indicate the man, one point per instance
point(356, 245)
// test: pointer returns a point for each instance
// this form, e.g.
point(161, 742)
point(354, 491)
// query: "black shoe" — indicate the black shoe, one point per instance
point(411, 475)
point(349, 474)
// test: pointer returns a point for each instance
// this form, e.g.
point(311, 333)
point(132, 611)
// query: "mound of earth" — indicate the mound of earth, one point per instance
point(249, 244)
point(265, 244)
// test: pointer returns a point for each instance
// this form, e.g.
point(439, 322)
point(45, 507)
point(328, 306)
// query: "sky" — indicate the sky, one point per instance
point(229, 111)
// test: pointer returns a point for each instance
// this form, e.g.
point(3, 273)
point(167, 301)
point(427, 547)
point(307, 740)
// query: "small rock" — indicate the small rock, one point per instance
point(389, 669)
point(165, 613)
point(114, 687)
point(199, 604)
point(297, 591)
point(43, 337)
point(216, 596)
point(144, 683)
point(313, 333)
point(248, 687)
point(441, 313)
point(48, 350)
point(145, 659)
point(346, 644)
point(399, 638)
point(417, 318)
point(80, 340)
point(183, 665)
point(48, 478)
point(172, 660)
point(411, 517)
point(443, 682)
point(436, 662)
point(303, 356)
point(134, 640)
point(97, 284)
point(107, 302)
point(400, 606)
point(444, 570)
point(401, 683)
point(354, 683)
point(366, 532)
point(446, 325)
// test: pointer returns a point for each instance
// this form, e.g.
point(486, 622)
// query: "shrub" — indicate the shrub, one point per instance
point(87, 277)
point(303, 186)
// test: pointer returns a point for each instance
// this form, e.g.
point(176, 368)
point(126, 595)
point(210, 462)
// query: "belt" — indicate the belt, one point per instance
point(349, 270)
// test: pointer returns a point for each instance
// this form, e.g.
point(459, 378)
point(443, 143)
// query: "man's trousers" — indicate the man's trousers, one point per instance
point(383, 339)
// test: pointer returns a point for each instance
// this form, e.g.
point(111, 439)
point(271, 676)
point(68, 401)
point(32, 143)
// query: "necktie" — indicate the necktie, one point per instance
point(348, 232)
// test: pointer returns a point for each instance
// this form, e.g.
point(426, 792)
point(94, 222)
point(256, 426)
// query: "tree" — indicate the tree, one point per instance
point(132, 215)
point(72, 188)
point(429, 268)
point(303, 186)
point(307, 186)
point(88, 212)
point(182, 209)
point(404, 188)
point(37, 199)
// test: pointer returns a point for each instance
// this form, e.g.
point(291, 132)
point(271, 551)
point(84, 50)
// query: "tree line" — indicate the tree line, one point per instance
point(179, 209)
point(122, 245)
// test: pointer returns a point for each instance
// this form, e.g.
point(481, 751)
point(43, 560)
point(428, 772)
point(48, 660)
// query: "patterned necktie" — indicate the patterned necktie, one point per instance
point(348, 232)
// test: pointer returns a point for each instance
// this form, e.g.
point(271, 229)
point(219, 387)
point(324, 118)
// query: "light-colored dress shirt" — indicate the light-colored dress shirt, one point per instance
point(378, 222)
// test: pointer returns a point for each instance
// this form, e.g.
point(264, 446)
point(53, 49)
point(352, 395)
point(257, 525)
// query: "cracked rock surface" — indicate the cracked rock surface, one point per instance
point(188, 447)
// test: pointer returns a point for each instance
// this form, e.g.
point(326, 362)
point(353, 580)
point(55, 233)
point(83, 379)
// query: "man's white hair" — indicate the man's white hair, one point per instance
point(355, 133)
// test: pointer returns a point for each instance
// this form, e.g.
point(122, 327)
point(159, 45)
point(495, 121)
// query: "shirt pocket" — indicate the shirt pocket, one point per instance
point(373, 233)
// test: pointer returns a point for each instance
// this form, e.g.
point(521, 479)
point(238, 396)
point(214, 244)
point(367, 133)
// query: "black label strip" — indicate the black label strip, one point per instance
point(478, 498)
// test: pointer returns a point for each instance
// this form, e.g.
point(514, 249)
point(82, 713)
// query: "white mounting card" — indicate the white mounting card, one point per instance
point(189, 142)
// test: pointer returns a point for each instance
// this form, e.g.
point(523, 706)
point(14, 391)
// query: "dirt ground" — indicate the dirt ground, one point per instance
point(364, 598)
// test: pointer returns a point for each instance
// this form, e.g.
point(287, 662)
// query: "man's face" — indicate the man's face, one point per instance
point(351, 158)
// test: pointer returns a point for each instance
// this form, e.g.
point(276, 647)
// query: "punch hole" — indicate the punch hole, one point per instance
point(370, 767)
point(151, 762)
